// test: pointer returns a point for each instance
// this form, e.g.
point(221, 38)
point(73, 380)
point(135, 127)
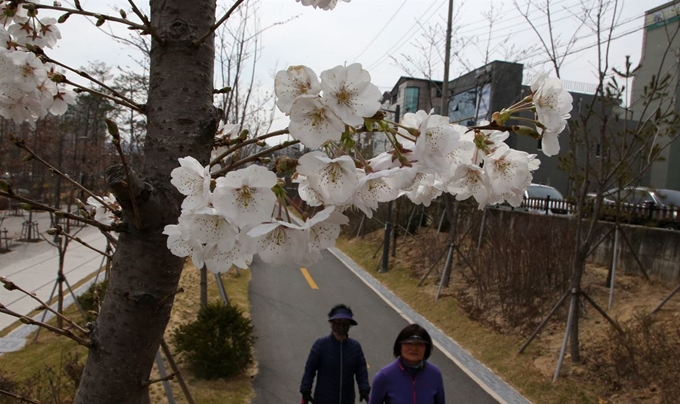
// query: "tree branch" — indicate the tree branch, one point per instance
point(22, 145)
point(57, 212)
point(66, 333)
point(59, 231)
point(98, 16)
point(11, 286)
point(254, 157)
point(246, 143)
point(18, 397)
point(121, 99)
point(147, 23)
point(214, 27)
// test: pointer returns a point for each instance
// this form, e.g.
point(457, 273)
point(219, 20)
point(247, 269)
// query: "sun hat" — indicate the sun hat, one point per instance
point(415, 338)
point(342, 314)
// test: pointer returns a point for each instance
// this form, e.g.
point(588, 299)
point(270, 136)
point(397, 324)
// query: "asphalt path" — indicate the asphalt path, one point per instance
point(289, 315)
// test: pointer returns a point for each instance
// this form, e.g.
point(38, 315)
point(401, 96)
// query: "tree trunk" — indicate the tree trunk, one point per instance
point(181, 121)
point(578, 266)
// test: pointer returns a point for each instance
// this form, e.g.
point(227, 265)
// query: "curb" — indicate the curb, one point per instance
point(485, 377)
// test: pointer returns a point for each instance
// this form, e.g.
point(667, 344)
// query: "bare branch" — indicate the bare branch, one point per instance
point(22, 145)
point(18, 397)
point(58, 212)
point(214, 27)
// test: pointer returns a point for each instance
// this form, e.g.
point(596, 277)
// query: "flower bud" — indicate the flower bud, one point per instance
point(123, 14)
point(526, 131)
point(63, 18)
point(113, 128)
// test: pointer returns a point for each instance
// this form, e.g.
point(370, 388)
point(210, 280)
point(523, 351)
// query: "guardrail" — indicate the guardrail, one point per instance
point(648, 214)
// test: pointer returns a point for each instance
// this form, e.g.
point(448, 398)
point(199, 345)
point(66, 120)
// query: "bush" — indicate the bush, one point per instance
point(218, 344)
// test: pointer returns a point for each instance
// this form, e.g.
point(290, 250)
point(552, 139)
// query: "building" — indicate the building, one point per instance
point(661, 41)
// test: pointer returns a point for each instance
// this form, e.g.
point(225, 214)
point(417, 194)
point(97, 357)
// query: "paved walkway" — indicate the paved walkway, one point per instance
point(33, 265)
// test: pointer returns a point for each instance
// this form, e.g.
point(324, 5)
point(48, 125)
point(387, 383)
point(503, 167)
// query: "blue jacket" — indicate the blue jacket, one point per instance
point(335, 364)
point(393, 384)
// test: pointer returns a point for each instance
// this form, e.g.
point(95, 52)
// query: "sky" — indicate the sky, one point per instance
point(383, 35)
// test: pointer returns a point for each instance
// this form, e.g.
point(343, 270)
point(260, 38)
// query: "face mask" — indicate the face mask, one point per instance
point(340, 329)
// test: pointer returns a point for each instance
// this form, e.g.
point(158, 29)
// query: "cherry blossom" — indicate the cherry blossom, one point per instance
point(245, 196)
point(322, 4)
point(335, 180)
point(291, 83)
point(313, 123)
point(350, 93)
point(102, 212)
point(192, 180)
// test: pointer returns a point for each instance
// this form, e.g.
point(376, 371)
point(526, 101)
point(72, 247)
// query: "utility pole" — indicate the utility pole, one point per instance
point(447, 61)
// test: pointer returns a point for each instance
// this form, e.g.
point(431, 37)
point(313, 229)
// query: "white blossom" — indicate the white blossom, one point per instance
point(245, 196)
point(350, 93)
point(335, 180)
point(314, 123)
point(292, 83)
point(192, 180)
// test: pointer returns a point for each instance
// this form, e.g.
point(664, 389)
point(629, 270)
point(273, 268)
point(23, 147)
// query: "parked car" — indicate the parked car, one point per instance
point(545, 199)
point(642, 205)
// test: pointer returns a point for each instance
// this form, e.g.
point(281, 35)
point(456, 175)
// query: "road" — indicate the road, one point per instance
point(289, 315)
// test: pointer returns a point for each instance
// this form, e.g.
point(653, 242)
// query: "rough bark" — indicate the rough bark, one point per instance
point(144, 277)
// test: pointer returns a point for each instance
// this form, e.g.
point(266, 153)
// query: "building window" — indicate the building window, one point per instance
point(411, 96)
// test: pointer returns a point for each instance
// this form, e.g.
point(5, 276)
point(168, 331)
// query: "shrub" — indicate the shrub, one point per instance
point(218, 344)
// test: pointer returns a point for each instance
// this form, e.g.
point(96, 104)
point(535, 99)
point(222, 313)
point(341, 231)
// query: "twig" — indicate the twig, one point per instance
point(113, 130)
point(11, 286)
point(18, 397)
point(60, 231)
point(122, 101)
point(147, 23)
point(149, 382)
point(254, 157)
point(22, 145)
point(246, 143)
point(216, 25)
point(126, 101)
point(66, 333)
point(98, 16)
point(59, 213)
point(180, 290)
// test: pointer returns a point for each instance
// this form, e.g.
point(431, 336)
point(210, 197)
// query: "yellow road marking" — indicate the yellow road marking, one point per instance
point(307, 276)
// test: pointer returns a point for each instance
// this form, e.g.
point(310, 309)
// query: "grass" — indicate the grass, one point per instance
point(50, 349)
point(498, 352)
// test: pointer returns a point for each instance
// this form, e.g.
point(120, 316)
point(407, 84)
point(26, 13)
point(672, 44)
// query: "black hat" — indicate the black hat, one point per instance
point(415, 338)
point(342, 314)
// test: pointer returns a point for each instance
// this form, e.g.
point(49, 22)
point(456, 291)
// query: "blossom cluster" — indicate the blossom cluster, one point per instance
point(322, 4)
point(28, 85)
point(225, 223)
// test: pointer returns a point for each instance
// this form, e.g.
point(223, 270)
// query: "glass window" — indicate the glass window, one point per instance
point(537, 191)
point(669, 197)
point(411, 99)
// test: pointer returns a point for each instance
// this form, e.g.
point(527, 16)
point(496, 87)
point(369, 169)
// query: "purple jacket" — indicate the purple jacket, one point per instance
point(393, 384)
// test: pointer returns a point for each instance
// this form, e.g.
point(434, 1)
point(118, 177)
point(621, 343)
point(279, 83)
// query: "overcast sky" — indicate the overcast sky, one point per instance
point(370, 31)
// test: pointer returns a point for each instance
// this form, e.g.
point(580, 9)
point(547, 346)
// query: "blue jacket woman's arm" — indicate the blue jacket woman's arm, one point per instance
point(311, 366)
point(362, 372)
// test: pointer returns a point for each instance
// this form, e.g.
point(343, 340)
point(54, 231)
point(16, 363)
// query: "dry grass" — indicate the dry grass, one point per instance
point(497, 347)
